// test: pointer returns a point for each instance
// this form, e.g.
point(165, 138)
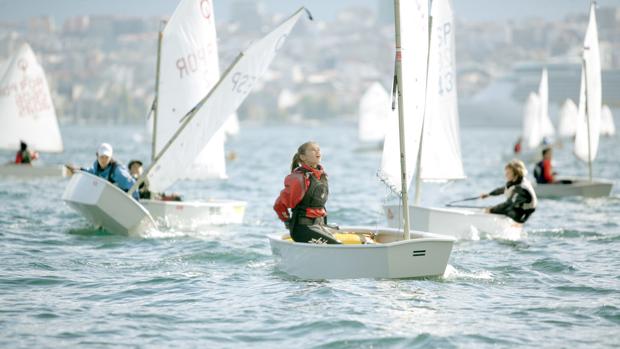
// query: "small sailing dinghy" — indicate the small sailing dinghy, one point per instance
point(125, 215)
point(105, 205)
point(187, 69)
point(588, 124)
point(27, 114)
point(393, 253)
point(439, 147)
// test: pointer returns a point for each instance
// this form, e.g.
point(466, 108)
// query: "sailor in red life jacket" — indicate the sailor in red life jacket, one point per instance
point(517, 148)
point(305, 193)
point(543, 172)
point(24, 156)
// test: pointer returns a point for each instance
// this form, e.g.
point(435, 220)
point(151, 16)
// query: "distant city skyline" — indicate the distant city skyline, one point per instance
point(467, 10)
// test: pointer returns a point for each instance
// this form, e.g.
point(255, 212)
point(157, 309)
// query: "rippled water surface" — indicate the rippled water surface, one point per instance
point(65, 284)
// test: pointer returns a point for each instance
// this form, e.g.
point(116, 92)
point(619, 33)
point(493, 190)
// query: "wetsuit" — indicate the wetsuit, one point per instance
point(520, 201)
point(305, 192)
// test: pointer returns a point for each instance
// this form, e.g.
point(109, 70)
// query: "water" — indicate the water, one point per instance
point(65, 284)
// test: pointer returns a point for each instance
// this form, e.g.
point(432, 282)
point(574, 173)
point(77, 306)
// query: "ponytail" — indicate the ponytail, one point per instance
point(296, 162)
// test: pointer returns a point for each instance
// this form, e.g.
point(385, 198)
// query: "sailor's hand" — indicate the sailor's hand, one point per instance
point(484, 195)
point(72, 169)
point(487, 210)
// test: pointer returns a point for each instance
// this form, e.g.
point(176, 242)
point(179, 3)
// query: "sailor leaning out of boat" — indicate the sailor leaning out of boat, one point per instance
point(106, 167)
point(521, 198)
point(305, 194)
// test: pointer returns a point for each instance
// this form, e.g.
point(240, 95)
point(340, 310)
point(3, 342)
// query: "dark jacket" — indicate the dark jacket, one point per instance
point(520, 201)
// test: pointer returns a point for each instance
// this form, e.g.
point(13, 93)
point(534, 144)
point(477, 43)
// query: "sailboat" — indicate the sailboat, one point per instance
point(439, 147)
point(395, 253)
point(588, 123)
point(608, 128)
point(27, 114)
point(537, 128)
point(187, 69)
point(373, 115)
point(568, 119)
point(105, 205)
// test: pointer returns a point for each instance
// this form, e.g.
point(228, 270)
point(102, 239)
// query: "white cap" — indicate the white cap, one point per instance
point(105, 149)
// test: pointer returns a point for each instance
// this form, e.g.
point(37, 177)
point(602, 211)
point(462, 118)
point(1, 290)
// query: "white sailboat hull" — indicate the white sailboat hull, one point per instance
point(424, 254)
point(460, 223)
point(34, 171)
point(191, 215)
point(105, 205)
point(580, 187)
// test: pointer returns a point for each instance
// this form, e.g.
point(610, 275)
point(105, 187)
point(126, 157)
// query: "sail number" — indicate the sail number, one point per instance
point(243, 83)
point(195, 61)
point(444, 59)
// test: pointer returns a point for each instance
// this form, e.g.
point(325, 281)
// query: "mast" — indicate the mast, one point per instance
point(155, 102)
point(587, 115)
point(401, 121)
point(586, 109)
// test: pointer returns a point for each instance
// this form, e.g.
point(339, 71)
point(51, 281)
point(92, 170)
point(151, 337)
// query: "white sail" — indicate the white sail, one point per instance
point(532, 128)
point(211, 162)
point(543, 93)
point(26, 108)
point(608, 128)
point(588, 125)
point(189, 67)
point(568, 119)
point(413, 55)
point(374, 109)
point(231, 127)
point(199, 127)
point(441, 148)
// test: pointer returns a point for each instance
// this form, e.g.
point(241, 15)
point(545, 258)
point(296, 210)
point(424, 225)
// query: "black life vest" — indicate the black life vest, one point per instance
point(539, 173)
point(316, 194)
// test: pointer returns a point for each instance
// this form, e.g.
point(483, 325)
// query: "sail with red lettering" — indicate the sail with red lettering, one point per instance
point(26, 109)
point(188, 69)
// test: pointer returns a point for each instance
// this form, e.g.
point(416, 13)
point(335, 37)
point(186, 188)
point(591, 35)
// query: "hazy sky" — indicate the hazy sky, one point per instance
point(469, 10)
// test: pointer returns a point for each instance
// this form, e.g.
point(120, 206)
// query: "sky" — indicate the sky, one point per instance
point(468, 10)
